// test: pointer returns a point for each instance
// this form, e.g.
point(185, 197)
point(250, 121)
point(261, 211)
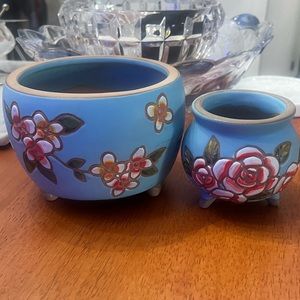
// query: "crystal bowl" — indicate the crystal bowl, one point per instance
point(168, 30)
point(240, 40)
point(220, 66)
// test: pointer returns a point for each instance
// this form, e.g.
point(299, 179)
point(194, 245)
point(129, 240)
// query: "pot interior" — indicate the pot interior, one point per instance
point(243, 105)
point(92, 75)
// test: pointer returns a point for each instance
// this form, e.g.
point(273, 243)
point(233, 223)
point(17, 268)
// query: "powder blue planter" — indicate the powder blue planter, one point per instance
point(241, 146)
point(91, 128)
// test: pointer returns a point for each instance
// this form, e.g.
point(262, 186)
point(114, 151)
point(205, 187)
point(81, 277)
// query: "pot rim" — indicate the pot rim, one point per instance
point(12, 80)
point(199, 110)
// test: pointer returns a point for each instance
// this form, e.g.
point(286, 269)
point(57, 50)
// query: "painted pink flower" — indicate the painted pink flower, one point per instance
point(284, 180)
point(138, 162)
point(20, 127)
point(109, 168)
point(203, 175)
point(122, 183)
point(38, 150)
point(249, 174)
point(47, 130)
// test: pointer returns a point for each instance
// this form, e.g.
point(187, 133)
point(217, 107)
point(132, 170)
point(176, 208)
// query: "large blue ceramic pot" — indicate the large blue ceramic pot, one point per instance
point(91, 128)
point(241, 146)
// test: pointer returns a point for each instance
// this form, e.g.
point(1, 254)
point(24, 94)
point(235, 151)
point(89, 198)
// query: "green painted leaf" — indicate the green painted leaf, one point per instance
point(212, 151)
point(69, 122)
point(48, 173)
point(30, 165)
point(188, 160)
point(76, 163)
point(282, 151)
point(8, 113)
point(155, 155)
point(79, 175)
point(149, 171)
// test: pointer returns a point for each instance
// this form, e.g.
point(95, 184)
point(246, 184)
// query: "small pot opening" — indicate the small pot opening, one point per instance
point(93, 75)
point(243, 105)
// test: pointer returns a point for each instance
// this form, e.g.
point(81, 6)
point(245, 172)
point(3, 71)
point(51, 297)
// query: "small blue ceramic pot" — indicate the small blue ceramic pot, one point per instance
point(90, 128)
point(241, 147)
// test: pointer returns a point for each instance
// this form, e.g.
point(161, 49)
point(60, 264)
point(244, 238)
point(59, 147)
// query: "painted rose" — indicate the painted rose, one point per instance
point(284, 180)
point(122, 183)
point(109, 168)
point(138, 162)
point(203, 175)
point(249, 174)
point(47, 130)
point(159, 113)
point(20, 126)
point(38, 151)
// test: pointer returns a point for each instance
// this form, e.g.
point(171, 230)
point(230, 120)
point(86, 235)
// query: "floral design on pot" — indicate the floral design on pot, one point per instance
point(123, 175)
point(159, 112)
point(41, 138)
point(251, 173)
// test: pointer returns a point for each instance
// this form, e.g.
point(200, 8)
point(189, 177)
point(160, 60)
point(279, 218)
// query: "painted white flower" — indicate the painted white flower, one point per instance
point(159, 112)
point(47, 130)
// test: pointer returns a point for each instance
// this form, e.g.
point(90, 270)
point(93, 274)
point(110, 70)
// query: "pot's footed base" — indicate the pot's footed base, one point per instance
point(206, 200)
point(153, 192)
point(274, 200)
point(50, 197)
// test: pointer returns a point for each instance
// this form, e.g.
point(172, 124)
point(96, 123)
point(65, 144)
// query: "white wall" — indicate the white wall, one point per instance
point(284, 49)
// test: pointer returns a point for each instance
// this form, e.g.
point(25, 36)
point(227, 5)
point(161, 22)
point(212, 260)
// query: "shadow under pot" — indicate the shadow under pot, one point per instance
point(95, 128)
point(241, 147)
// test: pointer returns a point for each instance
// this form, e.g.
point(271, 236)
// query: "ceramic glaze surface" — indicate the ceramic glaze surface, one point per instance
point(91, 146)
point(241, 147)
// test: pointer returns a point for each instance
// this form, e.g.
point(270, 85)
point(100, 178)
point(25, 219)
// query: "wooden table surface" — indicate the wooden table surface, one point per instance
point(145, 248)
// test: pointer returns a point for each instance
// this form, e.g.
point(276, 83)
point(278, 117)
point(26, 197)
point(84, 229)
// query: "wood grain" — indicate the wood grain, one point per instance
point(145, 248)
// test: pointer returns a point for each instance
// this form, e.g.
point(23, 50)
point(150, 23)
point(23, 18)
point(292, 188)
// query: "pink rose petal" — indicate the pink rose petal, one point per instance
point(199, 163)
point(263, 174)
point(232, 186)
point(221, 168)
point(235, 169)
point(254, 191)
point(222, 193)
point(272, 164)
point(279, 185)
point(252, 161)
point(248, 152)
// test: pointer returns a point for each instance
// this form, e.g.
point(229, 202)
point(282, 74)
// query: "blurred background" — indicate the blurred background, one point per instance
point(285, 15)
point(281, 57)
